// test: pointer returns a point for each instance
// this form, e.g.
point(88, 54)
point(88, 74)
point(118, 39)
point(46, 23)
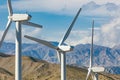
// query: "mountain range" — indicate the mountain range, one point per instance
point(103, 56)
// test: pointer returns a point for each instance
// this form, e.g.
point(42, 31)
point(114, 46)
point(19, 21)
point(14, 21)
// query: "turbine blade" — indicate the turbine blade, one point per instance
point(88, 74)
point(10, 11)
point(70, 28)
point(91, 53)
point(5, 32)
point(46, 43)
point(32, 24)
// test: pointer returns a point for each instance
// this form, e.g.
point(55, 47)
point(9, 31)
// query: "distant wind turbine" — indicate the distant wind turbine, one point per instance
point(18, 19)
point(93, 70)
point(61, 48)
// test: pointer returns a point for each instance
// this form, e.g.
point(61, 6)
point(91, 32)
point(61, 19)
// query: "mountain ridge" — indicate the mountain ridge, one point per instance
point(103, 56)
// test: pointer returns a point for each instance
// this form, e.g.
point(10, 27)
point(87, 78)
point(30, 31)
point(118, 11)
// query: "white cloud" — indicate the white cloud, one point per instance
point(76, 37)
point(10, 37)
point(35, 32)
point(65, 6)
point(95, 28)
point(110, 33)
point(108, 9)
point(107, 1)
point(107, 35)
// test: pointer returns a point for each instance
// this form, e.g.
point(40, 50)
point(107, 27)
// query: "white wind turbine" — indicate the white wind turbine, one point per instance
point(61, 48)
point(19, 19)
point(93, 70)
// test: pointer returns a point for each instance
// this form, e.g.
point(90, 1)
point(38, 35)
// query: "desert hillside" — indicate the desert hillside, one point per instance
point(34, 69)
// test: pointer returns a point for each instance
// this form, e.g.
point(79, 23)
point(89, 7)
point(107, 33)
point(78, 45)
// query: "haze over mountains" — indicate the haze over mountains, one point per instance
point(103, 56)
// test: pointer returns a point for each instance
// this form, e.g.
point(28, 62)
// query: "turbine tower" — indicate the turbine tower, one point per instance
point(93, 70)
point(61, 48)
point(18, 19)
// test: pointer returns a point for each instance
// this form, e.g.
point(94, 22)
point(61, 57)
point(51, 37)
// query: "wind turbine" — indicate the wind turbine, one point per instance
point(93, 70)
point(61, 48)
point(19, 19)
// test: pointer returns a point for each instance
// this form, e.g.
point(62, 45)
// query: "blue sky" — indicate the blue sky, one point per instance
point(57, 15)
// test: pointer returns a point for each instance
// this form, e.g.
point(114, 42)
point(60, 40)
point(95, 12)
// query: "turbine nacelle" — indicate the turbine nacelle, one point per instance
point(20, 17)
point(98, 69)
point(65, 48)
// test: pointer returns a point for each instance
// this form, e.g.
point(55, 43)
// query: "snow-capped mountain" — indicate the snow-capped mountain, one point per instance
point(103, 56)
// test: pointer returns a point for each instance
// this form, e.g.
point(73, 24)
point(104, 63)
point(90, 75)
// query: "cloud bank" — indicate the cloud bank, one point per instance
point(66, 7)
point(107, 35)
